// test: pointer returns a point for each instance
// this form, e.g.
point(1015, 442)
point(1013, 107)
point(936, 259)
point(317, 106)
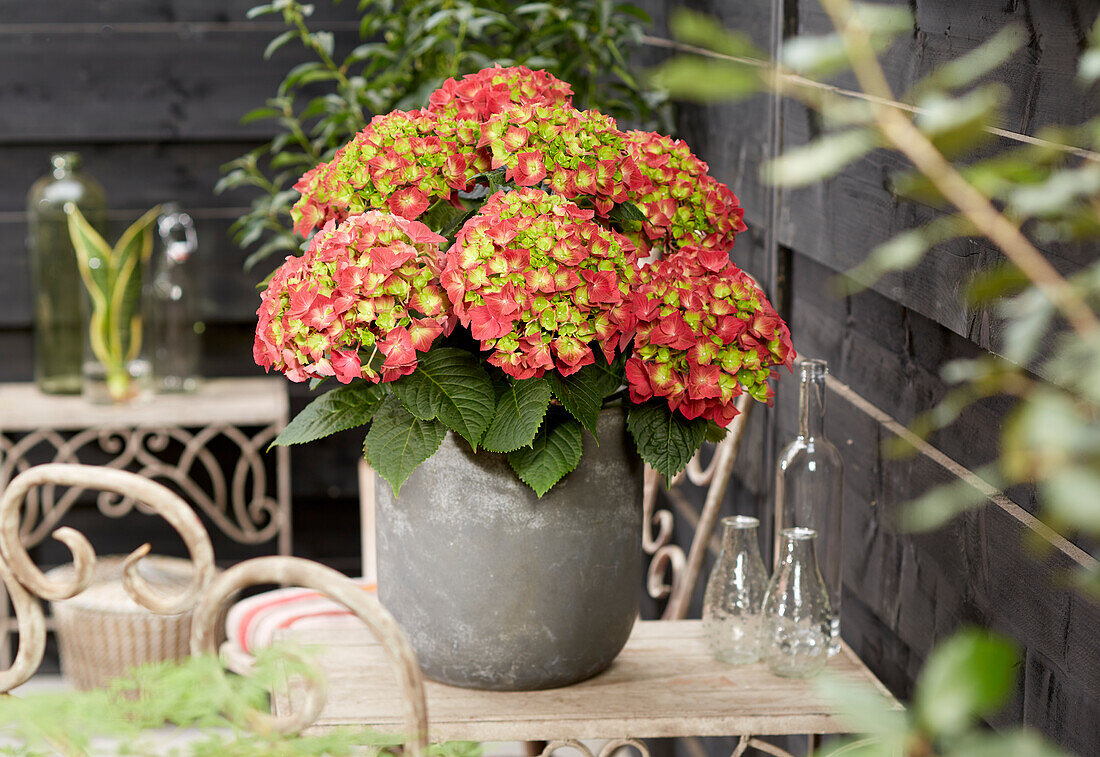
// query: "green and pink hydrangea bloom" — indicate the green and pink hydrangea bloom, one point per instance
point(577, 153)
point(539, 283)
point(361, 303)
point(480, 95)
point(682, 203)
point(537, 274)
point(705, 333)
point(402, 162)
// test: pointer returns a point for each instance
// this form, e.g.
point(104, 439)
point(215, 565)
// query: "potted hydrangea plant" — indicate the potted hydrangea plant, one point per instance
point(472, 281)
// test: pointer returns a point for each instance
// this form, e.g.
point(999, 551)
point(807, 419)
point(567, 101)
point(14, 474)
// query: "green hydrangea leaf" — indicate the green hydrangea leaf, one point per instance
point(337, 410)
point(398, 442)
point(582, 393)
point(521, 406)
point(441, 215)
point(666, 440)
point(450, 384)
point(555, 452)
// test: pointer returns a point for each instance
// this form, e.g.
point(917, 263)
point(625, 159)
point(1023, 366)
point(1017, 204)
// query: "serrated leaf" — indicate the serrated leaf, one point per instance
point(555, 452)
point(665, 439)
point(581, 394)
point(715, 433)
point(521, 406)
point(337, 410)
point(450, 384)
point(398, 442)
point(624, 212)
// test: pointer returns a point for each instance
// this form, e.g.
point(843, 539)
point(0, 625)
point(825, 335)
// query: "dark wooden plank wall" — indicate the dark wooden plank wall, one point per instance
point(905, 592)
point(151, 93)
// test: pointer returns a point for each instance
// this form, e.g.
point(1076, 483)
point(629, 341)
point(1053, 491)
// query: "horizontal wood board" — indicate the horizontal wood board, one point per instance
point(665, 683)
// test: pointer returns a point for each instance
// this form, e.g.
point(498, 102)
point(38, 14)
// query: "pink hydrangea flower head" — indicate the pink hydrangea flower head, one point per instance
point(705, 333)
point(361, 303)
point(682, 203)
point(483, 94)
point(540, 284)
point(577, 153)
point(401, 162)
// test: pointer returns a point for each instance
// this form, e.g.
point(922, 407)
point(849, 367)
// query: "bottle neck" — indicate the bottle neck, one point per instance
point(740, 536)
point(64, 164)
point(811, 399)
point(798, 547)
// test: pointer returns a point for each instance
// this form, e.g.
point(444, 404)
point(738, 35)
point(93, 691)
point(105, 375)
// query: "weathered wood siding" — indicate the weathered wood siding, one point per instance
point(905, 592)
point(151, 93)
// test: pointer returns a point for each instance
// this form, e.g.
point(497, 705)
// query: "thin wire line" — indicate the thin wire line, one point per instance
point(802, 81)
point(957, 469)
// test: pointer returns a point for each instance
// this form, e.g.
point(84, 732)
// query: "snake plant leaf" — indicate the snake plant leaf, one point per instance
point(113, 278)
point(93, 254)
point(131, 254)
point(93, 259)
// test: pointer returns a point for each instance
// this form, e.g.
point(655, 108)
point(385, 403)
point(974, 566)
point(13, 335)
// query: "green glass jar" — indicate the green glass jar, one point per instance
point(58, 323)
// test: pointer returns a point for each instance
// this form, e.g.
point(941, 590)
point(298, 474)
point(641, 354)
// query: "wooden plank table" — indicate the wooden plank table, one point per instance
point(664, 684)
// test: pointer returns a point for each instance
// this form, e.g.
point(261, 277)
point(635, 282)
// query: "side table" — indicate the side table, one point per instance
point(664, 684)
point(248, 412)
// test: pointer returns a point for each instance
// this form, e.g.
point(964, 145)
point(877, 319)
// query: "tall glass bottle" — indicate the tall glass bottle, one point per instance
point(175, 332)
point(795, 628)
point(735, 591)
point(55, 278)
point(809, 485)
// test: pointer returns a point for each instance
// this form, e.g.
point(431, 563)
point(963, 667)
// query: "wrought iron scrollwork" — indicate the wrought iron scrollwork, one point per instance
point(238, 504)
point(672, 574)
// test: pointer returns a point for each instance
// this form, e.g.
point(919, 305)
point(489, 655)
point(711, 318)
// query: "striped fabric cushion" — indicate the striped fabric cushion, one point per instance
point(251, 623)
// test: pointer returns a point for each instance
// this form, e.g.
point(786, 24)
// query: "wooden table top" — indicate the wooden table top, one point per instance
point(257, 401)
point(664, 684)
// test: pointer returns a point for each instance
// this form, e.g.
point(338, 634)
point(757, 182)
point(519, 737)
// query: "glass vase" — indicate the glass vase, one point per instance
point(735, 591)
point(128, 380)
point(795, 629)
point(119, 372)
point(55, 278)
point(174, 328)
point(809, 486)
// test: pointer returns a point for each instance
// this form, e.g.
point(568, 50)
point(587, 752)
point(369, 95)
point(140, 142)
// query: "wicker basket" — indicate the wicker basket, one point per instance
point(102, 633)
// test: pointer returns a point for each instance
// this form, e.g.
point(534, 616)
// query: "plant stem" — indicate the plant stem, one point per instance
point(905, 137)
point(341, 76)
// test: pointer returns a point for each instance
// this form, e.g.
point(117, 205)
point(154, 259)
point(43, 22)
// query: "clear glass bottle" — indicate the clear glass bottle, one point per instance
point(795, 627)
point(734, 594)
point(809, 486)
point(58, 320)
point(175, 329)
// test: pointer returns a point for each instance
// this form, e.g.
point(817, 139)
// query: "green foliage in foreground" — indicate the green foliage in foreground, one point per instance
point(1025, 198)
point(968, 677)
point(186, 708)
point(407, 49)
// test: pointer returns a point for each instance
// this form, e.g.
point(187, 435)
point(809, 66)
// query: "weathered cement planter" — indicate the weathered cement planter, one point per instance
point(497, 589)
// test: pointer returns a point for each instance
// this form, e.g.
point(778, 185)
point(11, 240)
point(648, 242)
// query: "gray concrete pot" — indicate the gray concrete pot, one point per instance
point(497, 589)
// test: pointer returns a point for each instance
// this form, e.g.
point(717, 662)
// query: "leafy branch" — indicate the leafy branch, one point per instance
point(407, 48)
point(1043, 190)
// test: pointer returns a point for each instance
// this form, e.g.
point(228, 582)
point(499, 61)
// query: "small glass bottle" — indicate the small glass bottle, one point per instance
point(795, 628)
point(58, 321)
point(735, 591)
point(175, 329)
point(809, 485)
